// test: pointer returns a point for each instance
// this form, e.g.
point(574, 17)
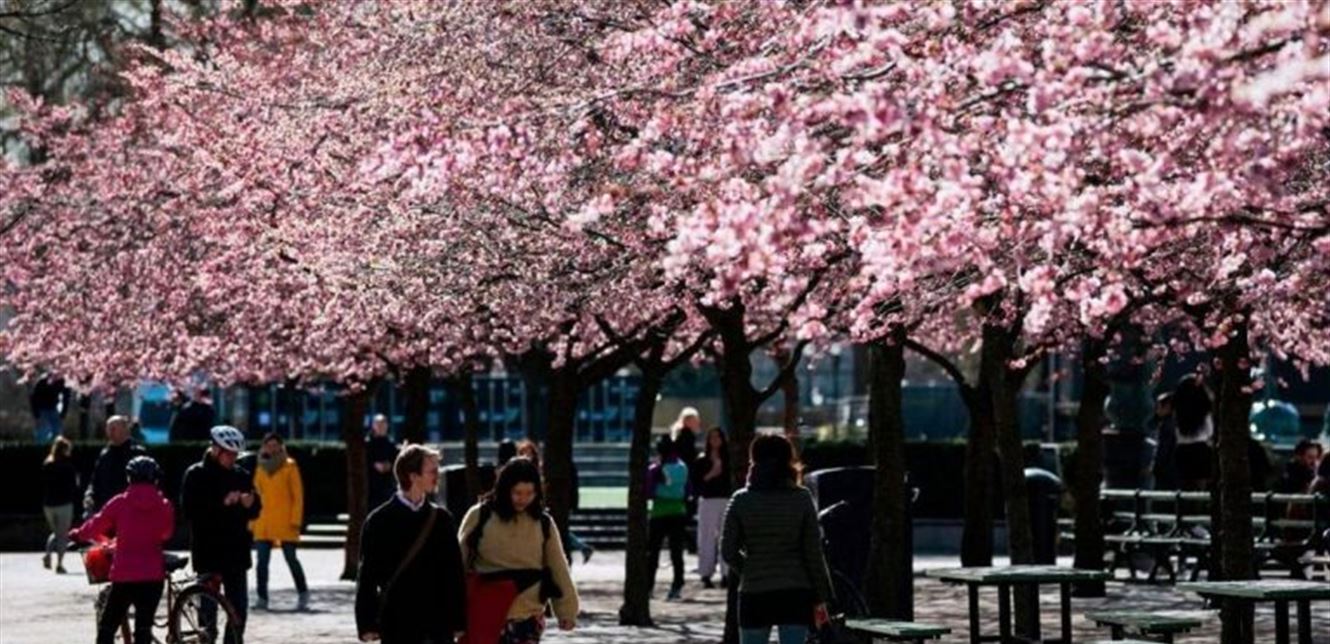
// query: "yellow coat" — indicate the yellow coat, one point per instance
point(283, 499)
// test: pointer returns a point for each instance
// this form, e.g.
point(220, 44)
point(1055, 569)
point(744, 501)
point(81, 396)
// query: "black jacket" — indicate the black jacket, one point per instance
point(60, 483)
point(429, 599)
point(108, 475)
point(382, 485)
point(192, 422)
point(47, 393)
point(219, 537)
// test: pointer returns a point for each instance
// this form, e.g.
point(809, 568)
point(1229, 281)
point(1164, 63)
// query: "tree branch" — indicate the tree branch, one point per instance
point(786, 372)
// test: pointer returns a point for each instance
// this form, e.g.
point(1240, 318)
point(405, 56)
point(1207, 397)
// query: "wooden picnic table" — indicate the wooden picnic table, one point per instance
point(1280, 591)
point(1006, 577)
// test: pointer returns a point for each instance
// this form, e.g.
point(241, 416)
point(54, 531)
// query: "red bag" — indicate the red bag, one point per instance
point(97, 561)
point(487, 605)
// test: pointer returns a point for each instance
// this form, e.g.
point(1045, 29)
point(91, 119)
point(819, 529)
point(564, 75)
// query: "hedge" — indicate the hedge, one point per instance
point(322, 468)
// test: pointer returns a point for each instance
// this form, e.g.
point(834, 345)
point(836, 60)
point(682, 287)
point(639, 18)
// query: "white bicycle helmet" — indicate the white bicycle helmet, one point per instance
point(228, 438)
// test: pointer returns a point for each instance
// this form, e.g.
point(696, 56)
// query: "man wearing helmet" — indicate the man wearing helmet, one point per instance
point(218, 501)
point(141, 520)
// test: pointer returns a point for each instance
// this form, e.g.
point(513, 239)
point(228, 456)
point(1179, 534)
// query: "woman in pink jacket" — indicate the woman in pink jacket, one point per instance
point(141, 520)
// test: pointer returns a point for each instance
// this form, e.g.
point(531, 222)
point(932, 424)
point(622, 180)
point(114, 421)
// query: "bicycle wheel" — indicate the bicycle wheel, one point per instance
point(849, 602)
point(202, 615)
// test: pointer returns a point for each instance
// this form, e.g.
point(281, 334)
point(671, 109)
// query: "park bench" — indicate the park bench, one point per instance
point(895, 631)
point(1145, 623)
point(1173, 528)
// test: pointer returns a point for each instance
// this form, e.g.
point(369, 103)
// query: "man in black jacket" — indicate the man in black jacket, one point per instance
point(426, 600)
point(380, 454)
point(108, 475)
point(218, 501)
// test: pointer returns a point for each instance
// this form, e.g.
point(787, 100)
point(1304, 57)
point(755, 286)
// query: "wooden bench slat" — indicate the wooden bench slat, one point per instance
point(889, 628)
point(1144, 621)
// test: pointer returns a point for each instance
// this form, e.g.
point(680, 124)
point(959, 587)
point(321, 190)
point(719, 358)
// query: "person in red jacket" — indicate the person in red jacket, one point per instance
point(142, 521)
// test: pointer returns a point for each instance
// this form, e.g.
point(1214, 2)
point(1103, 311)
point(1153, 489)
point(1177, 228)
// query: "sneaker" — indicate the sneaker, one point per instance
point(676, 593)
point(59, 570)
point(261, 604)
point(586, 554)
point(46, 561)
point(302, 603)
point(706, 583)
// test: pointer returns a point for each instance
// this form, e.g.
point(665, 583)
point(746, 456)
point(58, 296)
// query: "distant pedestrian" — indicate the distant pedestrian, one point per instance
point(49, 401)
point(1166, 443)
point(194, 418)
point(410, 588)
point(684, 433)
point(667, 486)
point(512, 551)
point(712, 483)
point(108, 474)
point(771, 540)
point(506, 452)
point(141, 520)
point(528, 450)
point(60, 491)
point(1194, 456)
point(1300, 470)
point(218, 501)
point(380, 453)
point(277, 481)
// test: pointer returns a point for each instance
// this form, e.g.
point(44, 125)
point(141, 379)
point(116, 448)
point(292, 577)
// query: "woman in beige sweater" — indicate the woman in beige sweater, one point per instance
point(508, 537)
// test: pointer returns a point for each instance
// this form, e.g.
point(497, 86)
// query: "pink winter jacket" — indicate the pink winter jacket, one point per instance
point(141, 520)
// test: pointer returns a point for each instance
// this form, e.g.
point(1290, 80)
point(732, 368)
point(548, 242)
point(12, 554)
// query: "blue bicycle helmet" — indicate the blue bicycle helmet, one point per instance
point(143, 469)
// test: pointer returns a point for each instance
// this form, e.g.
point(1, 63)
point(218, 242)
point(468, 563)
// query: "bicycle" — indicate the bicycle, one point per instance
point(189, 600)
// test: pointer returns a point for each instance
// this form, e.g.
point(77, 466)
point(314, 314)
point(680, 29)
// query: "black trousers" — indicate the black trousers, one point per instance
point(143, 596)
point(673, 528)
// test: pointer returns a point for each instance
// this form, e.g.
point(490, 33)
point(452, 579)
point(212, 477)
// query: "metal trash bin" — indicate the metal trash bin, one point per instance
point(1045, 491)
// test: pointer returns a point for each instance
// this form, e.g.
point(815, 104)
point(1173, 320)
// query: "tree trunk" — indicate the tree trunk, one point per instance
point(1234, 477)
point(354, 405)
point(416, 391)
point(1088, 470)
point(558, 457)
point(890, 574)
point(789, 390)
point(980, 452)
point(464, 387)
point(1005, 385)
point(636, 608)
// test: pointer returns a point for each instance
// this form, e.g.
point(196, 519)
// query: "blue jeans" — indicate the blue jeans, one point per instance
point(264, 550)
point(48, 425)
point(787, 634)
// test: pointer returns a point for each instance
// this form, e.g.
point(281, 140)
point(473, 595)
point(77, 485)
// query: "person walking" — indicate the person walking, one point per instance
point(60, 490)
point(108, 474)
point(142, 521)
point(277, 481)
point(516, 565)
point(771, 540)
point(48, 401)
point(711, 480)
point(380, 453)
point(410, 588)
point(218, 501)
point(667, 485)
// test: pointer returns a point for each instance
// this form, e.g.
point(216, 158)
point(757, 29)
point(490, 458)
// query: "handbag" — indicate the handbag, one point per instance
point(832, 632)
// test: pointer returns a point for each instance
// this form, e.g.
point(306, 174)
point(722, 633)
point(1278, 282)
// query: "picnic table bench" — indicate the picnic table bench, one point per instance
point(1006, 577)
point(1279, 591)
point(1146, 623)
point(896, 631)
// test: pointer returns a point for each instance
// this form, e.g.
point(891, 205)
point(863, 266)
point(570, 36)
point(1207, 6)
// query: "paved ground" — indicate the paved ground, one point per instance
point(37, 607)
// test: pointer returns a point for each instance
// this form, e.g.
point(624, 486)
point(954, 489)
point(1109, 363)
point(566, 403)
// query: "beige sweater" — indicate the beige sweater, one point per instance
point(516, 545)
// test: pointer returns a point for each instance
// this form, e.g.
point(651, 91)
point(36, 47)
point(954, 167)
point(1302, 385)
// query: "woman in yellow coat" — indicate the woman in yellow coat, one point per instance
point(277, 480)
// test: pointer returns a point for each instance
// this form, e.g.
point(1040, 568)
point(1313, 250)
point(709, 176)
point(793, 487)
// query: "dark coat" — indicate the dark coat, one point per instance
point(382, 486)
point(219, 537)
point(429, 599)
point(108, 475)
point(192, 422)
point(60, 483)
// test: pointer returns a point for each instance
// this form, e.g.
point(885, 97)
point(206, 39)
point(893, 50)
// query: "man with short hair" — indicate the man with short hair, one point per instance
point(410, 587)
point(218, 501)
point(108, 475)
point(1301, 468)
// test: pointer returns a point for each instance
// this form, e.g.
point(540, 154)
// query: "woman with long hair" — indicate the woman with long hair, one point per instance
point(1194, 456)
point(515, 562)
point(771, 540)
point(711, 479)
point(60, 491)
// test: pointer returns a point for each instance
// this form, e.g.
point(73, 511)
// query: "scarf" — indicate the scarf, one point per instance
point(273, 461)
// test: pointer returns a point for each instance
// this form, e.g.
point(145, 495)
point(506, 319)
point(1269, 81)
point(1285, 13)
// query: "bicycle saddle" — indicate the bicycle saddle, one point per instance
point(175, 562)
